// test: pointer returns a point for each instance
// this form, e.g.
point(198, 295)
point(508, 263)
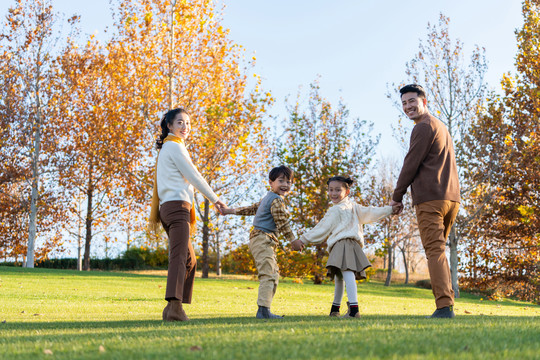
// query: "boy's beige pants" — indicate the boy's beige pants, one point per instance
point(262, 248)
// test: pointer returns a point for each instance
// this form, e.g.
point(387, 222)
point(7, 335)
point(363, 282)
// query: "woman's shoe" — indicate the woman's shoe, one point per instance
point(176, 312)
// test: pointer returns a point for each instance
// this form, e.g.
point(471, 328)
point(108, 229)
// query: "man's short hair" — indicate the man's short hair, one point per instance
point(413, 88)
point(281, 170)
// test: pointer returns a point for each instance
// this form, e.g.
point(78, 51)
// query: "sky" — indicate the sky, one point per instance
point(356, 47)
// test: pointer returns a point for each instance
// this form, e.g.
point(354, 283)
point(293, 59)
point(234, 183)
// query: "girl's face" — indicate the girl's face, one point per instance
point(337, 191)
point(181, 126)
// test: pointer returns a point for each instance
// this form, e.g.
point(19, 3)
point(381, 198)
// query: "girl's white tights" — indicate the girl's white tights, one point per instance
point(349, 281)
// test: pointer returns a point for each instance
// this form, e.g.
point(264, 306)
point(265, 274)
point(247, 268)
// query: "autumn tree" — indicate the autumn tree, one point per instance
point(183, 57)
point(504, 144)
point(455, 90)
point(28, 42)
point(320, 142)
point(103, 143)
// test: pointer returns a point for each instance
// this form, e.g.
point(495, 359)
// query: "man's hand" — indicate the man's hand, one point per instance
point(397, 207)
point(297, 245)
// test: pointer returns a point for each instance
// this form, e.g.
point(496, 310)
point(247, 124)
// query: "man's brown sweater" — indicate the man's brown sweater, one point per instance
point(430, 165)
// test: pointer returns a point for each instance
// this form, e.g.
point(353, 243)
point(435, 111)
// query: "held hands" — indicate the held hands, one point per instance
point(297, 245)
point(397, 207)
point(228, 211)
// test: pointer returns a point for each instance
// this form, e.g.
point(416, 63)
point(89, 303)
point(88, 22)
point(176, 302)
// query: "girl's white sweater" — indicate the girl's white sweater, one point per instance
point(344, 220)
point(176, 175)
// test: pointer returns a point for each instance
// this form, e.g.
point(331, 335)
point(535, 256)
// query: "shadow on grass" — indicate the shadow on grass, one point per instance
point(287, 321)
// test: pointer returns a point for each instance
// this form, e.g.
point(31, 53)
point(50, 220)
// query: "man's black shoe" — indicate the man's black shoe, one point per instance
point(443, 313)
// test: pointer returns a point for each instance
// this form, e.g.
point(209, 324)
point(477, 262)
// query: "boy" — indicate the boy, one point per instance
point(271, 217)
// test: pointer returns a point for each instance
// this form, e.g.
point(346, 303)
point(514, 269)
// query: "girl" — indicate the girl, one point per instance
point(341, 228)
point(172, 205)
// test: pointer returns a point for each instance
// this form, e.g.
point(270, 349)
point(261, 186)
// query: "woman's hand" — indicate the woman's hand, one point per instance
point(220, 206)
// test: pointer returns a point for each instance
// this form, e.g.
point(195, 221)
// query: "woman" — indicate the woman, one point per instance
point(172, 204)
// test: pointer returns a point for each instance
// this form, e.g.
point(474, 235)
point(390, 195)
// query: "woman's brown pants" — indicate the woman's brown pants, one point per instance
point(182, 261)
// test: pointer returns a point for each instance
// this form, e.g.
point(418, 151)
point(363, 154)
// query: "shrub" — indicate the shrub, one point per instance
point(426, 284)
point(141, 257)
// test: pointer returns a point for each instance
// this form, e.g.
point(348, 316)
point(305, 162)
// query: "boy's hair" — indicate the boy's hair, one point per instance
point(347, 181)
point(413, 88)
point(281, 170)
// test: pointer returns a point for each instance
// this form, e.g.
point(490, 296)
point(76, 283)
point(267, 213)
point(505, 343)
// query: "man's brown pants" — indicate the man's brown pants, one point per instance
point(175, 216)
point(435, 219)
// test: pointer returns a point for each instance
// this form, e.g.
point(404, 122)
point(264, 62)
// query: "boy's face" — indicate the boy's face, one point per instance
point(337, 191)
point(281, 186)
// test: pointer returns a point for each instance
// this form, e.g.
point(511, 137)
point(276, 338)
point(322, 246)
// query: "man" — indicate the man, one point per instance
point(430, 169)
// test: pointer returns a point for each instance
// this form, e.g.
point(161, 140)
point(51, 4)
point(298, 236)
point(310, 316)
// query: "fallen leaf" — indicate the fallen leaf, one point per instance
point(101, 349)
point(249, 288)
point(195, 348)
point(22, 312)
point(37, 314)
point(467, 312)
point(47, 352)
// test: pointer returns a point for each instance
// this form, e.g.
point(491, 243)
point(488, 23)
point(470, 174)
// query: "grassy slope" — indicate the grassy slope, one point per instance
point(73, 314)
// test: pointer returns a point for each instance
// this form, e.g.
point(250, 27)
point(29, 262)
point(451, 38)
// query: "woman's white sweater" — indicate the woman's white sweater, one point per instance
point(344, 220)
point(176, 175)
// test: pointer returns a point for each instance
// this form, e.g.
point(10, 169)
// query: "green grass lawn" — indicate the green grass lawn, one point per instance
point(62, 314)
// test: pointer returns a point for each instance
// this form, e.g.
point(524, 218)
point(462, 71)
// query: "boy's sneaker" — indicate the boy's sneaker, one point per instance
point(334, 314)
point(264, 313)
point(443, 313)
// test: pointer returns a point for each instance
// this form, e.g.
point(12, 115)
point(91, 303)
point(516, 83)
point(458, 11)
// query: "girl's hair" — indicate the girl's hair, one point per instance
point(166, 120)
point(347, 181)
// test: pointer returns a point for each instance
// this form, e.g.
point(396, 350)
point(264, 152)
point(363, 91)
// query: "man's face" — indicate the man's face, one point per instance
point(413, 106)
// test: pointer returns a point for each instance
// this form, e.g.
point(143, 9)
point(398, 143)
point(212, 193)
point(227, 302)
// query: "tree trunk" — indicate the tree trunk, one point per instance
point(171, 56)
point(89, 194)
point(453, 240)
point(390, 265)
point(128, 241)
point(205, 265)
point(79, 247)
point(32, 226)
point(405, 264)
point(218, 253)
point(318, 277)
